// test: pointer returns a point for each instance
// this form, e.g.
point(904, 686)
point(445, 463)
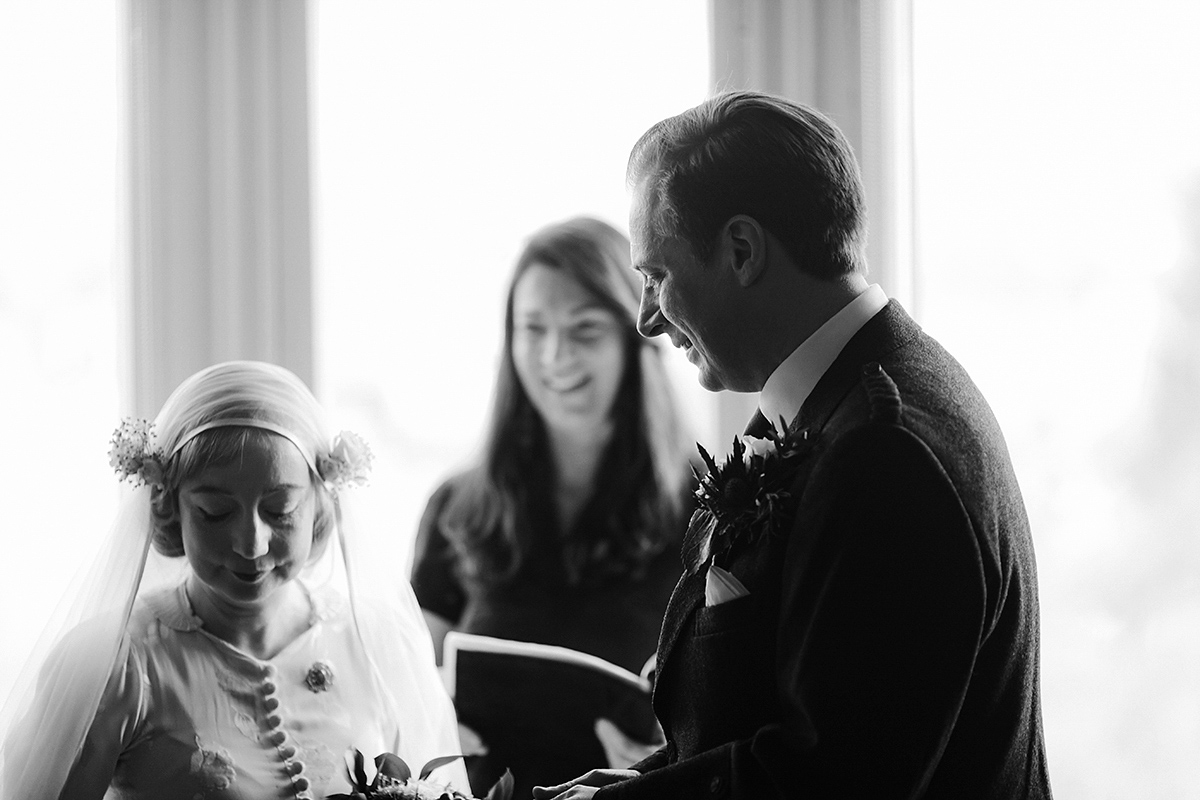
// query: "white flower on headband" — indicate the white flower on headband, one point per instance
point(133, 455)
point(347, 463)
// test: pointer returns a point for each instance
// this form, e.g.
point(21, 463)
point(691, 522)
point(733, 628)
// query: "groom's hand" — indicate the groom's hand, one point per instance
point(584, 786)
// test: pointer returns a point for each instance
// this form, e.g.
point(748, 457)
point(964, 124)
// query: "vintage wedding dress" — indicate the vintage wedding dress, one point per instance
point(189, 715)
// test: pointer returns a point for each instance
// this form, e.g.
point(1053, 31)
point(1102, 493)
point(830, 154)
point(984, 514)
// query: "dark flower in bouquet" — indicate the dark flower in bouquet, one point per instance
point(744, 497)
point(393, 779)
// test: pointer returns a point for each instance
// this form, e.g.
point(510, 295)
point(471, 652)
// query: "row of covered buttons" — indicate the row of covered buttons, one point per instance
point(278, 737)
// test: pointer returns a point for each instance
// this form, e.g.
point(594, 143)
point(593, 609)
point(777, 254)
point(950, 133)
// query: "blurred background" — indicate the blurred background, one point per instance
point(342, 186)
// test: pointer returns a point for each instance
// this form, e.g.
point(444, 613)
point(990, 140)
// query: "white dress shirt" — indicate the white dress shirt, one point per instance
point(793, 380)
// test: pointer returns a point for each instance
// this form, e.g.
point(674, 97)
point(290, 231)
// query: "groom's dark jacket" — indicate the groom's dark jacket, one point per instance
point(888, 647)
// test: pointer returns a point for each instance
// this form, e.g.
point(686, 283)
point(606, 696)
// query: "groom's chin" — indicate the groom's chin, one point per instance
point(709, 379)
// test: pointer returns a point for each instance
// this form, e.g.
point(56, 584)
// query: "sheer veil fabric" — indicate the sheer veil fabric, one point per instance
point(51, 706)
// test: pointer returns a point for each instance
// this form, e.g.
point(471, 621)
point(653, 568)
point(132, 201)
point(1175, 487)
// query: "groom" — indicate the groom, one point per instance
point(874, 632)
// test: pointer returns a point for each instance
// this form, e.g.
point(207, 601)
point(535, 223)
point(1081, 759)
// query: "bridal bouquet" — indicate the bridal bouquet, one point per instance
point(392, 778)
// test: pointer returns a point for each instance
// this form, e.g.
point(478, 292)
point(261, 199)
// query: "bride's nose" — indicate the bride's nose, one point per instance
point(253, 538)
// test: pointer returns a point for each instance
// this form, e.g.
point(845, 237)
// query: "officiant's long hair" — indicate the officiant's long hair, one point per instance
point(642, 491)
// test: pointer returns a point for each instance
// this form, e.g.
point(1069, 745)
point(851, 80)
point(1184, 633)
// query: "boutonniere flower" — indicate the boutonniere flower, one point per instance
point(744, 497)
point(390, 777)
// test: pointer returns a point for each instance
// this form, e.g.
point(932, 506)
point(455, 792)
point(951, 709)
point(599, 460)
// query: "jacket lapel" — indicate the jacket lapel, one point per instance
point(687, 597)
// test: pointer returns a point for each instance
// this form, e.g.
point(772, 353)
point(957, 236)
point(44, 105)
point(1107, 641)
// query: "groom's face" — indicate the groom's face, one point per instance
point(684, 298)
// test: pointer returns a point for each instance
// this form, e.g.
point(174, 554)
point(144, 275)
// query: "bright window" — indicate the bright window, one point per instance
point(58, 323)
point(1058, 176)
point(445, 134)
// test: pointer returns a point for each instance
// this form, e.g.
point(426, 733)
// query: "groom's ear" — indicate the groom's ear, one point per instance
point(744, 248)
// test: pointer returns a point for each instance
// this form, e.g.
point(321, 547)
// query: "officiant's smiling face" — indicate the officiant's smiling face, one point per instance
point(568, 349)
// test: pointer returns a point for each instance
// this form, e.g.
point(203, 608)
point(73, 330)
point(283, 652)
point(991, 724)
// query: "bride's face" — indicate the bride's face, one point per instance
point(568, 349)
point(248, 524)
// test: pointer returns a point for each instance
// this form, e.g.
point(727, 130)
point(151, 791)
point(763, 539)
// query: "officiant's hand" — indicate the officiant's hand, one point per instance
point(584, 786)
point(471, 743)
point(621, 751)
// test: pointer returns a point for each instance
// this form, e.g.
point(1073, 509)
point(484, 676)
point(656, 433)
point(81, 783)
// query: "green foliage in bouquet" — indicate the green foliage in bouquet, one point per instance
point(394, 779)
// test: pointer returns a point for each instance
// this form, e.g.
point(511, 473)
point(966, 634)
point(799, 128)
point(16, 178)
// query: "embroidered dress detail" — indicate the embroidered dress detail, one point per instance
point(248, 726)
point(214, 767)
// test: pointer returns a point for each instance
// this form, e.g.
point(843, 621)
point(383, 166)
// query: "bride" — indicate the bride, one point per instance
point(224, 644)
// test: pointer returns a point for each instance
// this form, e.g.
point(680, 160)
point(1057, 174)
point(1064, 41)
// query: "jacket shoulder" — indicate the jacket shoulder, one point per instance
point(874, 398)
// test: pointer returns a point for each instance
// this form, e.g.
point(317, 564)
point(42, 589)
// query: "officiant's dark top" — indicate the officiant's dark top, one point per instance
point(616, 617)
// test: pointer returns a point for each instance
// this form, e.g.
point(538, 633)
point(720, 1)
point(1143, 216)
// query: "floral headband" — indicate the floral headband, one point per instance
point(135, 457)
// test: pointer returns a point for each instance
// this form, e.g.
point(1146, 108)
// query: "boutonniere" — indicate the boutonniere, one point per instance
point(744, 497)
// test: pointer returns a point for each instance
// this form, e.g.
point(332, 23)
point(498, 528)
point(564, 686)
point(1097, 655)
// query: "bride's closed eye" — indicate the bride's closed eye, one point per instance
point(213, 515)
point(282, 515)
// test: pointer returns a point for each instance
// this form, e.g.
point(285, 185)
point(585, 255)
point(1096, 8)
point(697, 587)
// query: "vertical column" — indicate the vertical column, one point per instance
point(852, 60)
point(219, 199)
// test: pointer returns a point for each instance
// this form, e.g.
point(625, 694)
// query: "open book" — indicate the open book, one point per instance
point(535, 707)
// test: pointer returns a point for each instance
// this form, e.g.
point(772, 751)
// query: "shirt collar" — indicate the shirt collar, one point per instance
point(792, 381)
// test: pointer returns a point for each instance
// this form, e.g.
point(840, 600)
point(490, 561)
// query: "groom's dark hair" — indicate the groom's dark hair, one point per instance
point(780, 162)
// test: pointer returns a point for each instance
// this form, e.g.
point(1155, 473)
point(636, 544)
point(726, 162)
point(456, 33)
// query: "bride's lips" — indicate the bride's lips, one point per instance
point(249, 577)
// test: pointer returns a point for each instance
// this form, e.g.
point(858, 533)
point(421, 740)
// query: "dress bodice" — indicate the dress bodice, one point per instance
point(199, 718)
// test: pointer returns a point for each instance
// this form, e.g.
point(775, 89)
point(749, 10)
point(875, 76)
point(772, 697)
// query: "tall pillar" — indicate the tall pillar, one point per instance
point(219, 217)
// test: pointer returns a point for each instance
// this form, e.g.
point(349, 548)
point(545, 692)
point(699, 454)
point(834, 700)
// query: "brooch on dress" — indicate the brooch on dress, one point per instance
point(319, 677)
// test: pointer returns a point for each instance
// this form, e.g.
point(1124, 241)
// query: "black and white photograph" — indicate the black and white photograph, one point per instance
point(555, 400)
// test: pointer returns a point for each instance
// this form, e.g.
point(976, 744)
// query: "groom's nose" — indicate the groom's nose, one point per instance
point(650, 322)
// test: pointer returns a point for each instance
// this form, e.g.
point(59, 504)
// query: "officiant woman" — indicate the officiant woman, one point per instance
point(567, 529)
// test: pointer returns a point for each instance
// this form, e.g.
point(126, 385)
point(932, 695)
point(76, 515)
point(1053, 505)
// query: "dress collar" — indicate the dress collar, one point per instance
point(174, 609)
point(793, 380)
